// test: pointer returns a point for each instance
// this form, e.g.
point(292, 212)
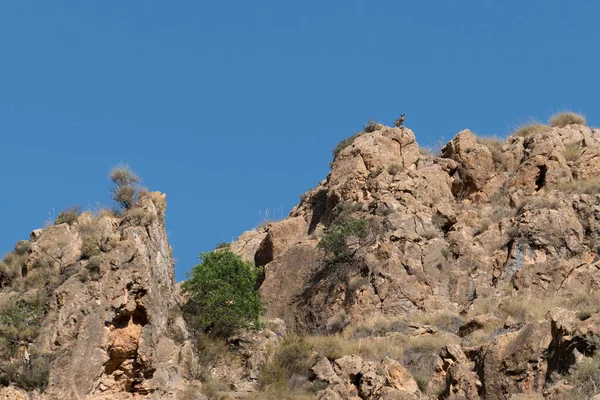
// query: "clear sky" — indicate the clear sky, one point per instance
point(232, 107)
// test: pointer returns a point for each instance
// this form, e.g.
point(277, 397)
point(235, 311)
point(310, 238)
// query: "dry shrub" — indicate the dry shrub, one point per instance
point(138, 216)
point(293, 357)
point(572, 151)
point(26, 375)
point(585, 377)
point(91, 239)
point(445, 320)
point(527, 309)
point(566, 118)
point(394, 169)
point(531, 129)
point(377, 326)
point(372, 126)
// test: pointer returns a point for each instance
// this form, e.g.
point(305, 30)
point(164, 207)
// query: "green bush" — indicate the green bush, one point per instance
point(20, 322)
point(334, 242)
point(68, 216)
point(344, 143)
point(223, 294)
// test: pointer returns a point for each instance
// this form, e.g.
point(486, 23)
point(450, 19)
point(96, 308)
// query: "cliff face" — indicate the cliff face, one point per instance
point(113, 329)
point(485, 239)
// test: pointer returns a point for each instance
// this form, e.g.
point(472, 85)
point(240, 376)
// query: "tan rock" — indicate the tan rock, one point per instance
point(400, 378)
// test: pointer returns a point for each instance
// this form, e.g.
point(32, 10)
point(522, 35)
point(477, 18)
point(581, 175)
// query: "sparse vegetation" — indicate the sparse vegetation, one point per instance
point(91, 238)
point(222, 294)
point(344, 143)
point(293, 357)
point(20, 321)
point(394, 169)
point(586, 186)
point(29, 375)
point(566, 118)
point(337, 241)
point(68, 216)
point(531, 129)
point(374, 173)
point(126, 190)
point(372, 126)
point(138, 217)
point(572, 151)
point(585, 377)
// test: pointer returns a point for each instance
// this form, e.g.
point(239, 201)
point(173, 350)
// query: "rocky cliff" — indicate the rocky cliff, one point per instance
point(112, 327)
point(487, 252)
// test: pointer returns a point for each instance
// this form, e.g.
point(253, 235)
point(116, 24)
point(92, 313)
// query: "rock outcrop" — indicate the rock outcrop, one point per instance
point(113, 331)
point(483, 232)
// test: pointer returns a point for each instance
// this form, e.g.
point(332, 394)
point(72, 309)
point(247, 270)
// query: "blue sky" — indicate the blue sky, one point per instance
point(232, 107)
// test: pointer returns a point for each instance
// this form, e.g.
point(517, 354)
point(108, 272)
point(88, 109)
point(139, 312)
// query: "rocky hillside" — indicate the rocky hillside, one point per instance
point(472, 274)
point(475, 272)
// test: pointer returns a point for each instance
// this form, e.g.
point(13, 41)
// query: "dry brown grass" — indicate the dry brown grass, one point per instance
point(531, 129)
point(572, 151)
point(566, 118)
point(527, 309)
point(587, 186)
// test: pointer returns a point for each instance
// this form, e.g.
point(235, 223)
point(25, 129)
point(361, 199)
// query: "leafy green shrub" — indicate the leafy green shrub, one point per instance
point(20, 321)
point(334, 242)
point(126, 190)
point(344, 143)
point(68, 216)
point(531, 129)
point(223, 294)
point(566, 118)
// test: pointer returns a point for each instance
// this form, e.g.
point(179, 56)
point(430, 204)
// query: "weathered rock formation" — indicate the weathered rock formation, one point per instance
point(118, 333)
point(492, 232)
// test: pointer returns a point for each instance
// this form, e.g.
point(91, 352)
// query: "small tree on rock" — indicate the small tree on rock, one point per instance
point(223, 294)
point(126, 189)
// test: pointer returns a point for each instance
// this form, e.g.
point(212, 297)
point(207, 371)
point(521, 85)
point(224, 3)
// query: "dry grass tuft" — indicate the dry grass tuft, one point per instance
point(572, 151)
point(531, 129)
point(587, 186)
point(566, 118)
